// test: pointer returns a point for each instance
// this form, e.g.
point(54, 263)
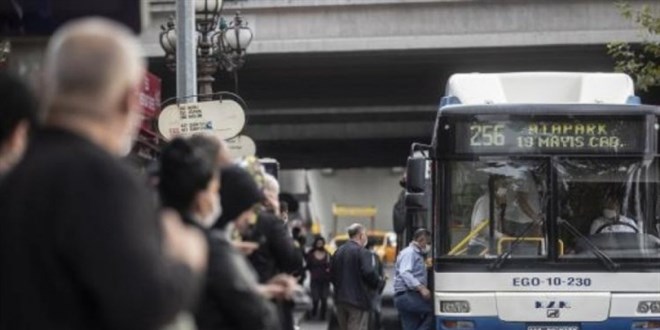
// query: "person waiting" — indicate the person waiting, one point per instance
point(317, 263)
point(190, 184)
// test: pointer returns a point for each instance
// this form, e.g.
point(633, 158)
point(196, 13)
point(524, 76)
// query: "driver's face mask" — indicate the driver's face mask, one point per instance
point(501, 192)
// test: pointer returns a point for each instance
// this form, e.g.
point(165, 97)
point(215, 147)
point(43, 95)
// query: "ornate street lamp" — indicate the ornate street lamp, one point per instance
point(5, 49)
point(219, 45)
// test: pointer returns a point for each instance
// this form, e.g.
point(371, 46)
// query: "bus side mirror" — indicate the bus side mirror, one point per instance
point(415, 175)
point(415, 200)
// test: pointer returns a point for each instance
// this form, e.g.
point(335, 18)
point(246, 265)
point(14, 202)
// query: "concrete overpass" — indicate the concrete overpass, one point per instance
point(322, 26)
point(344, 83)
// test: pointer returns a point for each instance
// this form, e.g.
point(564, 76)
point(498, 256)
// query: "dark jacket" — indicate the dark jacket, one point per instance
point(80, 243)
point(277, 252)
point(380, 270)
point(229, 299)
point(354, 276)
point(319, 269)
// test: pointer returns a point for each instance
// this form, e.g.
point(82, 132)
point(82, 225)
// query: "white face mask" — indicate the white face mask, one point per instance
point(216, 212)
point(501, 192)
point(427, 249)
point(609, 213)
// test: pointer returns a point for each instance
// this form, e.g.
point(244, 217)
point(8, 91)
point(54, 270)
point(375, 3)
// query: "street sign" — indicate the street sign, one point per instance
point(241, 146)
point(224, 119)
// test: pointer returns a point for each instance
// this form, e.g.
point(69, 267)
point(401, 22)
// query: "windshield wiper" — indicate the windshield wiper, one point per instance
point(497, 264)
point(602, 256)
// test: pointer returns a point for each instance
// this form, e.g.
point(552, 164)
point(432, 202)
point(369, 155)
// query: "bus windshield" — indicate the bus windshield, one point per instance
point(494, 202)
point(501, 205)
point(610, 201)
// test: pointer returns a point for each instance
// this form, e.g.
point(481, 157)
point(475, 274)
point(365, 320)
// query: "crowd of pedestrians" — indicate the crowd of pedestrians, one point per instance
point(87, 243)
point(80, 246)
point(84, 245)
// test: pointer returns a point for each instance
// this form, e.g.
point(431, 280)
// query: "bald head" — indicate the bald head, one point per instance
point(271, 185)
point(354, 230)
point(357, 233)
point(90, 65)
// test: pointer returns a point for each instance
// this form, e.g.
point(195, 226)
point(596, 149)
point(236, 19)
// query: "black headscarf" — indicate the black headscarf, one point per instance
point(318, 238)
point(238, 193)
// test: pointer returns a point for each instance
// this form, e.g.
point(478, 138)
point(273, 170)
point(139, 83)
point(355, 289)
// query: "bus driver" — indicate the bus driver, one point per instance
point(612, 221)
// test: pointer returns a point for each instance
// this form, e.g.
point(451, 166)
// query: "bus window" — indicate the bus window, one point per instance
point(606, 200)
point(512, 192)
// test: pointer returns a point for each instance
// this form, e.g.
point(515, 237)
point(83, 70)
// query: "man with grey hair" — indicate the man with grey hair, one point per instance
point(214, 146)
point(355, 280)
point(81, 244)
point(272, 193)
point(412, 297)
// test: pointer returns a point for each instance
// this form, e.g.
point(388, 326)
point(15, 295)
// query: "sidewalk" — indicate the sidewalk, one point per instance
point(390, 319)
point(314, 325)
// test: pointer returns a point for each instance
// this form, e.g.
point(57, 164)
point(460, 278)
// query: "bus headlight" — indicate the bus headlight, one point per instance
point(649, 306)
point(454, 307)
point(655, 307)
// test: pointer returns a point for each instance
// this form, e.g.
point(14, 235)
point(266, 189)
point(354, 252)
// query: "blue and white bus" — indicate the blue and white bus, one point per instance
point(545, 203)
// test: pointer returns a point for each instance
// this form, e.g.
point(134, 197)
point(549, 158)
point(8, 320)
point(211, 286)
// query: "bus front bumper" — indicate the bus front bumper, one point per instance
point(494, 323)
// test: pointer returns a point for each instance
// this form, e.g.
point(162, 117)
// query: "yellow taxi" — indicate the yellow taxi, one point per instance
point(384, 244)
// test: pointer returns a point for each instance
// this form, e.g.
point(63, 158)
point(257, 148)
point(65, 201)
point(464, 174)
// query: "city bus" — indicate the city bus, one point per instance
point(545, 203)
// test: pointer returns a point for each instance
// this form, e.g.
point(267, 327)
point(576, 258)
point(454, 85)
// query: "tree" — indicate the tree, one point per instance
point(641, 62)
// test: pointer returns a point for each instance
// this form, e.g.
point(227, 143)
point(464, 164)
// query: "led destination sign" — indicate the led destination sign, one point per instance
point(551, 136)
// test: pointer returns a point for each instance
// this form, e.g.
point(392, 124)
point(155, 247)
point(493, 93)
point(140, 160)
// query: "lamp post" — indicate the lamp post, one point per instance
point(220, 45)
point(5, 49)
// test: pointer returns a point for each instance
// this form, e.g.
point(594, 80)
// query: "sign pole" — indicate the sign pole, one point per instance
point(186, 56)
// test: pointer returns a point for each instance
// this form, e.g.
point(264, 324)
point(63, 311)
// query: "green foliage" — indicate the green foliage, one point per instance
point(642, 62)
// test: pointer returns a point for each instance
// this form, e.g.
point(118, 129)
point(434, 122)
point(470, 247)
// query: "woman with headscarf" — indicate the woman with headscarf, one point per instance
point(231, 297)
point(318, 264)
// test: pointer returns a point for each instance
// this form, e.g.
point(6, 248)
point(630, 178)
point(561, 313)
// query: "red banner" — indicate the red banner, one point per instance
point(150, 101)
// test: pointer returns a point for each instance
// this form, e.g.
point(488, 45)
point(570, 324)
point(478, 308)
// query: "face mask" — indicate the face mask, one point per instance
point(216, 212)
point(501, 192)
point(609, 213)
point(427, 249)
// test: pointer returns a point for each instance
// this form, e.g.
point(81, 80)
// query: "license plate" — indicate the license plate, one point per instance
point(553, 327)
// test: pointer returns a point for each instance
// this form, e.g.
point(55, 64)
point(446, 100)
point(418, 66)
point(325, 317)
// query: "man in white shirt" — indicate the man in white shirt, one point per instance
point(481, 213)
point(611, 221)
point(517, 205)
point(523, 205)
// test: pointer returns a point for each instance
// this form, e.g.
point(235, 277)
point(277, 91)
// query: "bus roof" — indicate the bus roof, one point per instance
point(540, 87)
